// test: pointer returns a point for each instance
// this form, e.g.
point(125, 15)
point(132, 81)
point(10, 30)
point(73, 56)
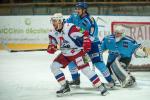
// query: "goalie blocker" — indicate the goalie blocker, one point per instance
point(125, 79)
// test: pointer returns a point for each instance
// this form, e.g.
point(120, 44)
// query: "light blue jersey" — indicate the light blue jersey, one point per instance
point(74, 18)
point(109, 43)
point(125, 47)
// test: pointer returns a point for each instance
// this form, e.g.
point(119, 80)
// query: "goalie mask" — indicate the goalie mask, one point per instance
point(119, 33)
point(57, 21)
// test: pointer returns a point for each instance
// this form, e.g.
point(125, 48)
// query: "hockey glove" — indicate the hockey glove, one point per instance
point(141, 52)
point(86, 33)
point(51, 48)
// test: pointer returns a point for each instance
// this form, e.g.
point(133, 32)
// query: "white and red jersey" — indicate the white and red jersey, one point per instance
point(67, 40)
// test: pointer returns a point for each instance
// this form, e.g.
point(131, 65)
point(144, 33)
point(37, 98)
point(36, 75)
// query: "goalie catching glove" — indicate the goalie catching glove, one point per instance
point(141, 52)
point(86, 41)
point(51, 48)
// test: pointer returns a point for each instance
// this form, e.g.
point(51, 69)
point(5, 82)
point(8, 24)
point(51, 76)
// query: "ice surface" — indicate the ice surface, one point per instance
point(26, 76)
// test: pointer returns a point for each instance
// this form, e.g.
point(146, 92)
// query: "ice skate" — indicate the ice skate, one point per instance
point(64, 90)
point(103, 90)
point(111, 84)
point(75, 83)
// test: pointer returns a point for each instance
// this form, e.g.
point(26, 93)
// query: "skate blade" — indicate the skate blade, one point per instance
point(106, 93)
point(75, 86)
point(63, 94)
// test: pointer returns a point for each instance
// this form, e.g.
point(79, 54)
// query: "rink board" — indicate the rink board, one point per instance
point(21, 46)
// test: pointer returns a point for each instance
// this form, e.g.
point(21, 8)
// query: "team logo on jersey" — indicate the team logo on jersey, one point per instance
point(56, 33)
point(125, 44)
point(65, 44)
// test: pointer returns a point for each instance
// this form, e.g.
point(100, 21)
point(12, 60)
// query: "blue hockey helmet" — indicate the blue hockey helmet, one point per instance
point(82, 5)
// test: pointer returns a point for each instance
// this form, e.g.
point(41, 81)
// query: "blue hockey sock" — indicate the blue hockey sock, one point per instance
point(75, 76)
point(73, 70)
point(104, 70)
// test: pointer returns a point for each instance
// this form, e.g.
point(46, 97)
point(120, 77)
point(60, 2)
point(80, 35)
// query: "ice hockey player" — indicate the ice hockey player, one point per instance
point(123, 46)
point(82, 19)
point(65, 37)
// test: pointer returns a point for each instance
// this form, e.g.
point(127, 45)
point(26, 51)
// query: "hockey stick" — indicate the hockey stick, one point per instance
point(27, 50)
point(101, 20)
point(98, 18)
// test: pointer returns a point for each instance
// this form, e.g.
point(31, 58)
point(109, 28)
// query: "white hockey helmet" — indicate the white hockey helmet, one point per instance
point(57, 21)
point(58, 17)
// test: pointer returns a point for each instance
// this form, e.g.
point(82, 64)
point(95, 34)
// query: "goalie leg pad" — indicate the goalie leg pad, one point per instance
point(130, 82)
point(120, 73)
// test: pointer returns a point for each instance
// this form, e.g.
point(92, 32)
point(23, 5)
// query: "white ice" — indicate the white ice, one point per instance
point(27, 76)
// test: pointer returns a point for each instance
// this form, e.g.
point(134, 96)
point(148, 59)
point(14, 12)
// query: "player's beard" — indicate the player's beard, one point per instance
point(59, 27)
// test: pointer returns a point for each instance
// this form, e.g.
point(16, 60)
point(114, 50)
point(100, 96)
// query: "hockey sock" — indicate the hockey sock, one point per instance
point(73, 70)
point(59, 75)
point(104, 70)
point(61, 78)
point(92, 76)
